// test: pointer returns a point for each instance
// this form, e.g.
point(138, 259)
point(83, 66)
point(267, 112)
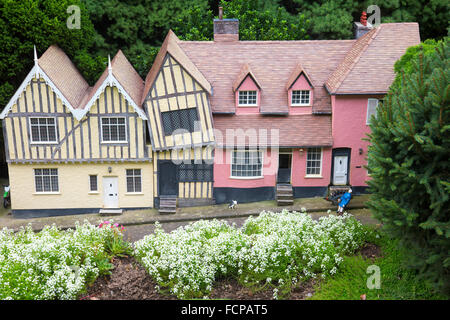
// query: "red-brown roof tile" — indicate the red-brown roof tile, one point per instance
point(63, 73)
point(290, 131)
point(272, 63)
point(369, 65)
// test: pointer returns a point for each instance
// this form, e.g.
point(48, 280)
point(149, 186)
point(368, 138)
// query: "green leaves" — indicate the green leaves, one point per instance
point(410, 159)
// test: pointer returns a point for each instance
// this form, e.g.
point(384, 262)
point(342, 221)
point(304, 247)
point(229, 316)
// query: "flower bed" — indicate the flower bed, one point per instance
point(274, 250)
point(55, 264)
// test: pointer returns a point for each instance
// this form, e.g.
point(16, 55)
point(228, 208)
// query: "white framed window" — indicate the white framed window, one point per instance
point(248, 98)
point(314, 162)
point(134, 180)
point(246, 164)
point(46, 180)
point(43, 130)
point(114, 129)
point(372, 105)
point(300, 97)
point(93, 183)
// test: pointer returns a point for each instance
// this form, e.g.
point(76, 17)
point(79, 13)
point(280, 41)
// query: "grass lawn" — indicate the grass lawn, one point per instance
point(397, 281)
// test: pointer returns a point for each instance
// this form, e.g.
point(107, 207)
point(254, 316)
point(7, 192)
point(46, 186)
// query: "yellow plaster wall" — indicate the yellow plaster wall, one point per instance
point(74, 186)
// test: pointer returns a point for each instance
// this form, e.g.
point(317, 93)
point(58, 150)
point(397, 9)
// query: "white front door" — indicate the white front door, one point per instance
point(110, 192)
point(340, 170)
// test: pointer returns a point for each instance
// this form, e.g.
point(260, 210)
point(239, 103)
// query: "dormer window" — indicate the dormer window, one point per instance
point(300, 98)
point(248, 98)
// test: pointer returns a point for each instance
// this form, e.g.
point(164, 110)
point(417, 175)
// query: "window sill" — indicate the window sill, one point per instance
point(43, 143)
point(301, 105)
point(94, 192)
point(114, 142)
point(46, 193)
point(313, 176)
point(134, 193)
point(247, 178)
point(248, 105)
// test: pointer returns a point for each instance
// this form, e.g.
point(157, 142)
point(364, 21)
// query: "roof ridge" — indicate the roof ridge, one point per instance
point(374, 32)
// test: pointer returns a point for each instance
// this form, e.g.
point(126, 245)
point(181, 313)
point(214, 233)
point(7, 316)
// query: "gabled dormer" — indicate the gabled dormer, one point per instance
point(176, 99)
point(300, 91)
point(247, 91)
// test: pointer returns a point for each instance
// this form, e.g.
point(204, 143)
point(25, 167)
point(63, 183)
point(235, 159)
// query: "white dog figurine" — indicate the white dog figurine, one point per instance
point(233, 204)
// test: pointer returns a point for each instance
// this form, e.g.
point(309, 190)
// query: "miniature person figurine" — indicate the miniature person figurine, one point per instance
point(344, 200)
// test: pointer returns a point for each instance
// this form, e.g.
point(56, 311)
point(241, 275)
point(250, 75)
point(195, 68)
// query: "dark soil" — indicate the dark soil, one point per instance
point(130, 281)
point(370, 251)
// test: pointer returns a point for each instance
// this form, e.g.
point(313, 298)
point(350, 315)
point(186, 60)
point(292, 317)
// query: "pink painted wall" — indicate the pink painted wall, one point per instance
point(300, 84)
point(247, 85)
point(298, 175)
point(222, 170)
point(349, 127)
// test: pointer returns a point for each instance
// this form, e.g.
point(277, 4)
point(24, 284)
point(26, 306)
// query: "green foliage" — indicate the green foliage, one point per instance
point(332, 19)
point(397, 281)
point(432, 16)
point(24, 23)
point(258, 20)
point(405, 64)
point(137, 27)
point(409, 165)
point(256, 24)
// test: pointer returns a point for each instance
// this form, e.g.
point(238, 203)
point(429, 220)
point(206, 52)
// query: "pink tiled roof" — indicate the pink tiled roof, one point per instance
point(272, 63)
point(245, 71)
point(290, 131)
point(368, 67)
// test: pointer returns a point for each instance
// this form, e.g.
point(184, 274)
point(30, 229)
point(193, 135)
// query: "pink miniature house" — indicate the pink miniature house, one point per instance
point(213, 121)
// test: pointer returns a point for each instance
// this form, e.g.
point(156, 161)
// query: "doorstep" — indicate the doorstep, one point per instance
point(110, 212)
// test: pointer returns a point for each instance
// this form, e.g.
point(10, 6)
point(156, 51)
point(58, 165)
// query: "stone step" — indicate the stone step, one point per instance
point(285, 197)
point(167, 210)
point(286, 202)
point(110, 212)
point(285, 192)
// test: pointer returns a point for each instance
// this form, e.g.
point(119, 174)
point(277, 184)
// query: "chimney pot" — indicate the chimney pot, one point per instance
point(362, 27)
point(220, 13)
point(363, 18)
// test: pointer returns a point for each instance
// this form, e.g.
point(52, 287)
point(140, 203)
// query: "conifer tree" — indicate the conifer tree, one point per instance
point(408, 161)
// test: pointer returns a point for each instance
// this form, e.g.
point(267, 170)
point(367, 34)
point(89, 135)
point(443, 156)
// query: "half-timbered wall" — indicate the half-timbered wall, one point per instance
point(174, 89)
point(77, 141)
point(192, 190)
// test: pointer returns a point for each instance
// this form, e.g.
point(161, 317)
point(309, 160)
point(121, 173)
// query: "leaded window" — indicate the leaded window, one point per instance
point(46, 180)
point(93, 185)
point(179, 119)
point(195, 172)
point(248, 98)
point(134, 180)
point(246, 163)
point(300, 97)
point(114, 129)
point(43, 130)
point(314, 161)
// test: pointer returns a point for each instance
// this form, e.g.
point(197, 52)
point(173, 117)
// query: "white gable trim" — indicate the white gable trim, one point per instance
point(111, 81)
point(38, 72)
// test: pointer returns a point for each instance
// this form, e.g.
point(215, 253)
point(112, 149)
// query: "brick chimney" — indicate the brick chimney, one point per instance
point(362, 27)
point(225, 29)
